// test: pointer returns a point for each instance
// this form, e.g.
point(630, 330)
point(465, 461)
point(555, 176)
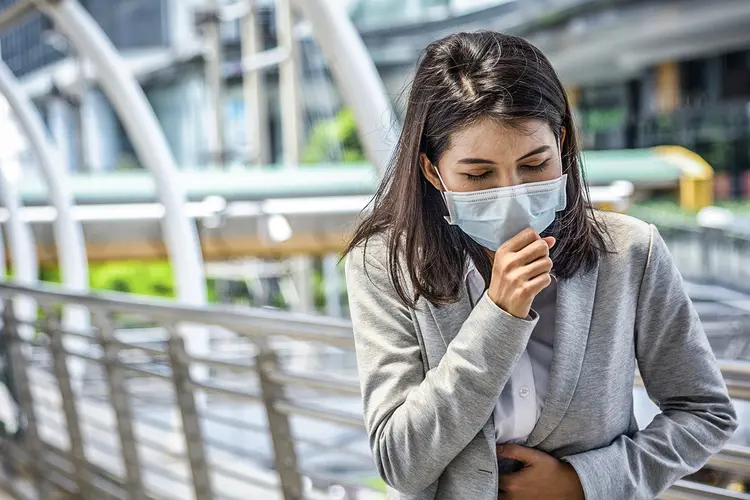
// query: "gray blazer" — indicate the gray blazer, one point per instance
point(430, 377)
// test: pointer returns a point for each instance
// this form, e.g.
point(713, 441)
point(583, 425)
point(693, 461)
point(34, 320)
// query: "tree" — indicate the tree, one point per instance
point(328, 138)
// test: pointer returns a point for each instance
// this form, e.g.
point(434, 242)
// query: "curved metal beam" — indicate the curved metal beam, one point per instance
point(147, 137)
point(71, 249)
point(22, 248)
point(356, 76)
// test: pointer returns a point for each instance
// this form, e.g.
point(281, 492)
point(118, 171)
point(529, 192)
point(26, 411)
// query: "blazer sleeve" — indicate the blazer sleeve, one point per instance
point(418, 422)
point(680, 374)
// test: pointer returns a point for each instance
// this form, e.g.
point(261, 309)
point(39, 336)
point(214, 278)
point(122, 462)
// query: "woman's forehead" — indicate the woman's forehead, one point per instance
point(492, 140)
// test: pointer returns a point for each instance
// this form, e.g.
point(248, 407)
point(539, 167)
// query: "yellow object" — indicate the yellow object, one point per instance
point(574, 94)
point(696, 176)
point(737, 486)
point(667, 87)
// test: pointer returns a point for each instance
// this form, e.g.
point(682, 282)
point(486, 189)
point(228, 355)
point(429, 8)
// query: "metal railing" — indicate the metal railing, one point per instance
point(115, 412)
point(710, 255)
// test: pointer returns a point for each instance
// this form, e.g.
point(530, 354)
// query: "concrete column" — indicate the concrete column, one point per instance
point(290, 97)
point(301, 269)
point(99, 128)
point(332, 285)
point(214, 84)
point(254, 92)
point(62, 123)
point(180, 110)
point(307, 353)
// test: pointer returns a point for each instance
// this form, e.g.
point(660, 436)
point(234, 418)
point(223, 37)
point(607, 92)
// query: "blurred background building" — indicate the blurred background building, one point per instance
point(640, 73)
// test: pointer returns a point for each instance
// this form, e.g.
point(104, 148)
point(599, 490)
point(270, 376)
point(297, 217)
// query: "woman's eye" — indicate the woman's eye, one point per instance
point(477, 177)
point(537, 168)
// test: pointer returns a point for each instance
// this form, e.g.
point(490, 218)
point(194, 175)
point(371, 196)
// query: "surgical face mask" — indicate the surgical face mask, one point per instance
point(493, 216)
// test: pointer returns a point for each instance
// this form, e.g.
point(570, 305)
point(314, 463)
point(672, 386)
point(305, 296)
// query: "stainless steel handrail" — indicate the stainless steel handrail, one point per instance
point(279, 394)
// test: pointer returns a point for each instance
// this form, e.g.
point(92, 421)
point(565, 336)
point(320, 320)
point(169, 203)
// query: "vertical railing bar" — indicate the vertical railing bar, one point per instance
point(191, 428)
point(19, 455)
point(121, 405)
point(50, 325)
point(285, 456)
point(21, 381)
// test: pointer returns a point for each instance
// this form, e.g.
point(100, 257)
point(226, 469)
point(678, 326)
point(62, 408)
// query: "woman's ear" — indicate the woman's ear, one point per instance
point(562, 139)
point(428, 170)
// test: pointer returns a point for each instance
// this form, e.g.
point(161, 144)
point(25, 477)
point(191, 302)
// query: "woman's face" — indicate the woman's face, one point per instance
point(489, 155)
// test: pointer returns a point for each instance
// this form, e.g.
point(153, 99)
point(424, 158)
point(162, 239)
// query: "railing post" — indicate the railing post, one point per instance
point(285, 456)
point(51, 326)
point(118, 398)
point(30, 434)
point(191, 427)
point(705, 243)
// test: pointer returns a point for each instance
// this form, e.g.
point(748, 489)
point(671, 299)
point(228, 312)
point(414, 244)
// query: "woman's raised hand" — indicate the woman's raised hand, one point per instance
point(521, 269)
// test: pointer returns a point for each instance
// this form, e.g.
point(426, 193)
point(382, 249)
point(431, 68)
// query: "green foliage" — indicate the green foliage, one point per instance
point(139, 277)
point(329, 136)
point(375, 483)
point(49, 274)
point(603, 119)
point(663, 211)
point(150, 278)
point(318, 284)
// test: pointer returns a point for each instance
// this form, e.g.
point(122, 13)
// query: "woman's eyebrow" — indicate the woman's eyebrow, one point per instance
point(476, 161)
point(538, 150)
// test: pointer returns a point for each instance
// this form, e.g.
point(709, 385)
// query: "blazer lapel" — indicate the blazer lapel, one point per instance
point(450, 317)
point(575, 305)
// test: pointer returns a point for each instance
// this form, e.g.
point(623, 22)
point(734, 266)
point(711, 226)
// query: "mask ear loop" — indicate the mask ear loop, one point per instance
point(440, 178)
point(449, 218)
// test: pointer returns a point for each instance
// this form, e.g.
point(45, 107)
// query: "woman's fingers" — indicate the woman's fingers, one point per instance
point(539, 266)
point(536, 285)
point(535, 251)
point(520, 241)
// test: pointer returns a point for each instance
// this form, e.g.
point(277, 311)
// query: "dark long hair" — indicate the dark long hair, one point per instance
point(461, 79)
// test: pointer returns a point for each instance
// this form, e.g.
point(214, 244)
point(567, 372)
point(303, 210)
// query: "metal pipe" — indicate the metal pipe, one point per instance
point(148, 139)
point(732, 458)
point(688, 490)
point(288, 408)
point(331, 385)
point(249, 322)
point(263, 60)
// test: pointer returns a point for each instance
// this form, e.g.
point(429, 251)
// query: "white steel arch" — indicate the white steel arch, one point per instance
point(147, 137)
point(71, 250)
point(356, 76)
point(21, 246)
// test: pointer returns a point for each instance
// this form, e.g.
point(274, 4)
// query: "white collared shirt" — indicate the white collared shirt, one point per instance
point(520, 404)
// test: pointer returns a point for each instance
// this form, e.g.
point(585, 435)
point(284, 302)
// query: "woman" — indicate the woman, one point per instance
point(499, 320)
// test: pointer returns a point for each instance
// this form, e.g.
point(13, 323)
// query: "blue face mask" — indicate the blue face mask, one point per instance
point(493, 216)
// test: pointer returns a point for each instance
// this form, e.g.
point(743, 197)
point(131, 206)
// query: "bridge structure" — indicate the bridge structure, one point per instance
point(118, 396)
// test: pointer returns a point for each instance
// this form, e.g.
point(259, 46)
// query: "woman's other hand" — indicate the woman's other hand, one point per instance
point(543, 477)
point(520, 270)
